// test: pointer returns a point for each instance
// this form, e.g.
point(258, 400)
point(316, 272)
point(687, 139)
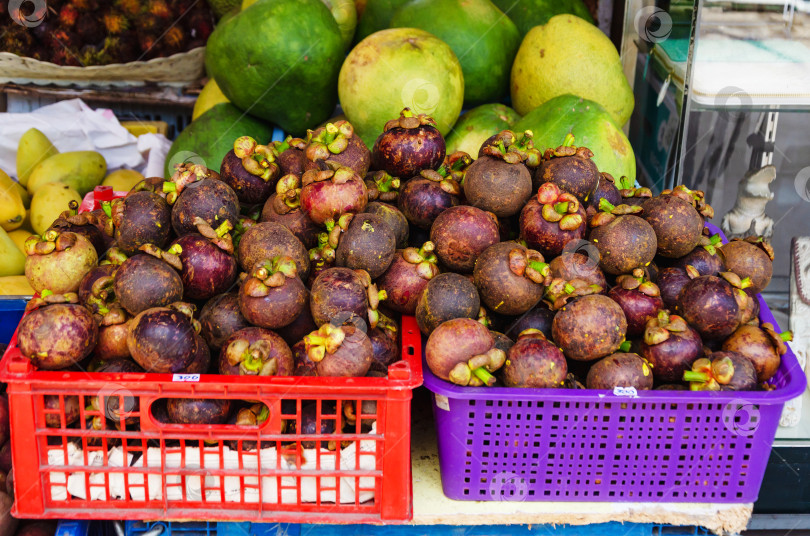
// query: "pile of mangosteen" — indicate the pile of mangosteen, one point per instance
point(524, 267)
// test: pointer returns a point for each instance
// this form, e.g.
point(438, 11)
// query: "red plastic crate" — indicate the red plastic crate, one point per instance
point(181, 472)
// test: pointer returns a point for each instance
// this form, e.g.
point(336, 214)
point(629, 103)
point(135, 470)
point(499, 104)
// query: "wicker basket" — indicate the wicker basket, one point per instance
point(177, 70)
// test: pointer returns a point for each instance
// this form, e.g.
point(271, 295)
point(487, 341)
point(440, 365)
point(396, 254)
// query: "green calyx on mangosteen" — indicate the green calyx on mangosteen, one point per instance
point(670, 345)
point(722, 371)
point(462, 351)
point(625, 241)
point(255, 352)
point(339, 350)
point(694, 197)
point(407, 277)
point(382, 186)
point(273, 295)
point(551, 220)
point(499, 181)
point(570, 168)
point(324, 254)
point(510, 278)
point(560, 291)
point(267, 240)
point(337, 142)
point(705, 258)
point(251, 170)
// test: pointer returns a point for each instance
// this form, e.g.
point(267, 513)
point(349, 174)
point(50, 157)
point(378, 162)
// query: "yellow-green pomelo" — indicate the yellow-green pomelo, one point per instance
point(12, 260)
point(81, 170)
point(477, 125)
point(209, 96)
point(49, 202)
point(122, 180)
point(568, 55)
point(395, 69)
point(34, 147)
point(591, 126)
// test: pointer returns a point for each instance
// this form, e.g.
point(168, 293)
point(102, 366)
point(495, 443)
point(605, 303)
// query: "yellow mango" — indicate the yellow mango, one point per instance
point(81, 170)
point(19, 236)
point(34, 147)
point(122, 180)
point(15, 285)
point(12, 260)
point(49, 202)
point(12, 210)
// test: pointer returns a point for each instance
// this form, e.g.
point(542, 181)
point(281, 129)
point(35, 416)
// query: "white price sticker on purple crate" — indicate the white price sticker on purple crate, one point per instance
point(628, 392)
point(185, 377)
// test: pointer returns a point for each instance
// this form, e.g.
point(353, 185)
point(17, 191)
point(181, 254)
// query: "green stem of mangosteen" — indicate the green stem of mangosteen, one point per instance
point(483, 374)
point(605, 205)
point(786, 336)
point(73, 206)
point(105, 206)
point(625, 183)
point(282, 146)
point(406, 112)
point(745, 283)
point(569, 288)
point(169, 187)
point(715, 239)
point(426, 249)
point(561, 208)
point(525, 139)
point(45, 293)
point(251, 362)
point(694, 376)
point(264, 413)
point(224, 228)
point(175, 249)
point(568, 141)
point(625, 346)
point(710, 249)
point(540, 267)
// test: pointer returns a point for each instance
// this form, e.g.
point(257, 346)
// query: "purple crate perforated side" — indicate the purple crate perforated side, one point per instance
point(589, 445)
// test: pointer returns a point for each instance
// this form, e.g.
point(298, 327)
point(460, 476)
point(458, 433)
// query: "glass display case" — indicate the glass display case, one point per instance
point(723, 105)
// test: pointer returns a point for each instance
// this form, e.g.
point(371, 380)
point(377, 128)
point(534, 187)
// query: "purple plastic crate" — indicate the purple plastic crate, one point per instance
point(592, 445)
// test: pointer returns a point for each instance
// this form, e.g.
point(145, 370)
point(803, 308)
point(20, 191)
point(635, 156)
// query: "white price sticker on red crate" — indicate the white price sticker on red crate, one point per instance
point(185, 377)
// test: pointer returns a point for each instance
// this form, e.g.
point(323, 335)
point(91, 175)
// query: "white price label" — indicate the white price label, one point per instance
point(185, 377)
point(625, 391)
point(442, 402)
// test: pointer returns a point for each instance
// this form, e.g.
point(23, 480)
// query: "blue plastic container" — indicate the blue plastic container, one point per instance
point(11, 311)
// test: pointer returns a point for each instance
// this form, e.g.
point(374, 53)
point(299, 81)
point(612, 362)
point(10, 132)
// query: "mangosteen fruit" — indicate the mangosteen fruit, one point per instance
point(337, 143)
point(712, 304)
point(671, 346)
point(446, 296)
point(705, 258)
point(394, 218)
point(290, 157)
point(309, 423)
point(198, 410)
point(95, 226)
point(209, 199)
point(510, 278)
point(57, 332)
point(678, 226)
point(750, 258)
point(551, 220)
point(284, 207)
point(302, 325)
point(58, 261)
point(304, 366)
point(570, 168)
point(639, 298)
point(502, 342)
point(671, 281)
point(589, 327)
point(382, 187)
point(267, 240)
point(250, 169)
point(164, 339)
point(367, 244)
point(208, 264)
point(221, 317)
point(461, 234)
point(722, 371)
point(143, 281)
point(462, 351)
point(761, 345)
point(70, 410)
point(407, 277)
point(112, 336)
point(201, 363)
point(605, 189)
point(534, 362)
point(327, 194)
point(344, 351)
point(624, 240)
point(141, 218)
point(338, 294)
point(620, 370)
point(559, 291)
point(409, 144)
point(255, 352)
point(427, 195)
point(273, 295)
point(499, 181)
point(538, 317)
point(574, 265)
point(253, 416)
point(95, 282)
point(385, 344)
